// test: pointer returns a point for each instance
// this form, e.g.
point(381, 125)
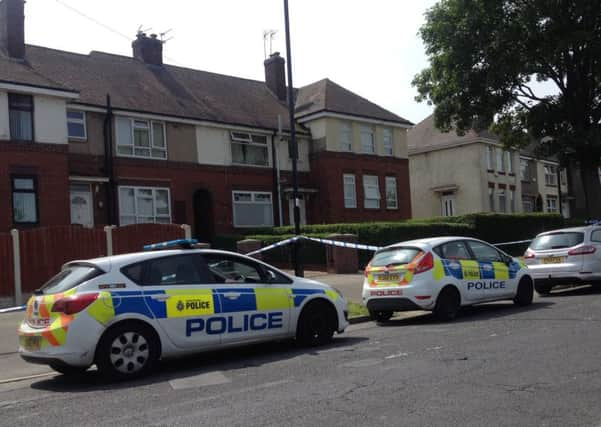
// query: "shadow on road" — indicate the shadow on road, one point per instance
point(203, 363)
point(574, 291)
point(473, 313)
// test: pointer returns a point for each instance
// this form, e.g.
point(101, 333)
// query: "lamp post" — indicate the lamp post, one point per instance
point(293, 149)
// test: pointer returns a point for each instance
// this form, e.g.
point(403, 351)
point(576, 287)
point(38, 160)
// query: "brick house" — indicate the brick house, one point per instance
point(106, 139)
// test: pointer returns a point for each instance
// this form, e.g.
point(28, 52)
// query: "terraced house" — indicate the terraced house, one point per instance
point(105, 139)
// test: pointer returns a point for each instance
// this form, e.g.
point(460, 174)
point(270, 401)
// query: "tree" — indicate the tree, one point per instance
point(485, 56)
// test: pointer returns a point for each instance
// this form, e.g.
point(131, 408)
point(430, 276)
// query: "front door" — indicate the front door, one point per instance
point(495, 281)
point(81, 205)
point(301, 206)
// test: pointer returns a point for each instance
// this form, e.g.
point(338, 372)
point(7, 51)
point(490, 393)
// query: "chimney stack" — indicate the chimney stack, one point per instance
point(275, 75)
point(12, 28)
point(148, 49)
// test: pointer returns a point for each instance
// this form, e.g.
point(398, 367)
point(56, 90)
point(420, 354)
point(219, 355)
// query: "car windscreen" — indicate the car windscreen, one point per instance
point(394, 256)
point(68, 278)
point(557, 241)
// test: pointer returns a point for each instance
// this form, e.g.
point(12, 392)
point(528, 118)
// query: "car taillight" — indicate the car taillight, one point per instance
point(74, 304)
point(528, 254)
point(425, 263)
point(583, 250)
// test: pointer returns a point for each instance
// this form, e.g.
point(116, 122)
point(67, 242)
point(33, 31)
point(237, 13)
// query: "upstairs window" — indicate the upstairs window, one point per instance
point(524, 170)
point(509, 161)
point(346, 136)
point(387, 142)
point(367, 140)
point(500, 167)
point(249, 149)
point(25, 200)
point(490, 158)
point(371, 190)
point(76, 124)
point(20, 116)
point(141, 138)
point(551, 175)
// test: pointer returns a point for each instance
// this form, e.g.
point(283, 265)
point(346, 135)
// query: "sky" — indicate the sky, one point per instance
point(370, 47)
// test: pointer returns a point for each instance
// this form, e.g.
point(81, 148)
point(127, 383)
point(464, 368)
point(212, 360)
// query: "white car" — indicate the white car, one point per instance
point(125, 312)
point(442, 274)
point(566, 256)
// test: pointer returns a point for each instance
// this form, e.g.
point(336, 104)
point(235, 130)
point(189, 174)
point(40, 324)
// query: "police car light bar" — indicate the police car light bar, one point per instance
point(172, 244)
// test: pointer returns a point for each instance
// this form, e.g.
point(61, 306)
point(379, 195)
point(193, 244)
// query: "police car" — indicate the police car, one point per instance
point(442, 274)
point(125, 312)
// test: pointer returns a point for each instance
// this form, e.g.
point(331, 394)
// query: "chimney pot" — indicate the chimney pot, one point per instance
point(12, 28)
point(275, 75)
point(148, 49)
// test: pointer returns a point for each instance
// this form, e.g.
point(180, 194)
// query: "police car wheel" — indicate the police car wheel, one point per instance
point(380, 316)
point(128, 350)
point(68, 370)
point(316, 324)
point(525, 292)
point(448, 304)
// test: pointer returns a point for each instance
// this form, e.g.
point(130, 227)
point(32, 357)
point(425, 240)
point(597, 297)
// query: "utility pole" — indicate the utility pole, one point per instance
point(293, 148)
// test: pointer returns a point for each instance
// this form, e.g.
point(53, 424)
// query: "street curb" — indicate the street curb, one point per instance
point(359, 319)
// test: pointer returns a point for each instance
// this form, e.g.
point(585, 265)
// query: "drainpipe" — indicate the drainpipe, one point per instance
point(108, 162)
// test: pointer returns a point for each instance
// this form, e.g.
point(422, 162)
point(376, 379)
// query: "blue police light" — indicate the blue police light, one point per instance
point(179, 243)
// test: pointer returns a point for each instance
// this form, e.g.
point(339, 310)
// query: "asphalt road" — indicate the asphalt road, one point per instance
point(496, 365)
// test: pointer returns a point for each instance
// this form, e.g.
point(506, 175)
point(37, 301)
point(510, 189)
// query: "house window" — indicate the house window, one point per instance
point(141, 138)
point(551, 175)
point(563, 177)
point(350, 192)
point(144, 204)
point(249, 149)
point(552, 204)
point(490, 158)
point(511, 200)
point(252, 209)
point(25, 200)
point(367, 140)
point(509, 161)
point(346, 136)
point(391, 193)
point(502, 200)
point(76, 124)
point(448, 204)
point(524, 170)
point(387, 142)
point(499, 153)
point(20, 116)
point(371, 191)
point(491, 199)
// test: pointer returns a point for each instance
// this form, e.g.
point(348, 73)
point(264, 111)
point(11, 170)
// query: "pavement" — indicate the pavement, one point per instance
point(496, 365)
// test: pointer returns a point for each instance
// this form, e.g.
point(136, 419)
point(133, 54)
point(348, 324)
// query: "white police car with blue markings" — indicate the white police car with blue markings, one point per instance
point(125, 312)
point(442, 274)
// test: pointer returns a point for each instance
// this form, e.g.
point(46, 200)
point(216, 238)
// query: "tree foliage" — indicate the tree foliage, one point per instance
point(485, 56)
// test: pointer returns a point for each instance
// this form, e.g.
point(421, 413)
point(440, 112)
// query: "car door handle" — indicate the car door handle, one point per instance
point(160, 297)
point(232, 295)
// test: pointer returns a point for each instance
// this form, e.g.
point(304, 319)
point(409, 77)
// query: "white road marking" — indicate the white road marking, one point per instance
point(202, 380)
point(394, 356)
point(28, 377)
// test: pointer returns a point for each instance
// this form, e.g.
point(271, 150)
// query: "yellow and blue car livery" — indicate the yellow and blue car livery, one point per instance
point(479, 272)
point(65, 327)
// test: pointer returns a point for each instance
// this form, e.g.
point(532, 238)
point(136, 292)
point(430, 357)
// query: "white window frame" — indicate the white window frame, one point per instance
point(499, 157)
point(368, 131)
point(81, 121)
point(346, 137)
point(555, 207)
point(525, 171)
point(447, 202)
point(247, 139)
point(502, 200)
point(253, 201)
point(350, 200)
point(136, 214)
point(511, 193)
point(150, 127)
point(387, 142)
point(550, 175)
point(390, 183)
point(368, 187)
point(509, 161)
point(490, 158)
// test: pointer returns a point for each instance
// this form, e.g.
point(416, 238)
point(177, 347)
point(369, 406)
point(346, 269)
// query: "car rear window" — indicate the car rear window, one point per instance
point(557, 241)
point(69, 277)
point(394, 256)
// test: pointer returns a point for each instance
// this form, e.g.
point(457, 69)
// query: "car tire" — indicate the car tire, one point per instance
point(316, 324)
point(380, 316)
point(525, 292)
point(128, 350)
point(447, 305)
point(67, 370)
point(543, 289)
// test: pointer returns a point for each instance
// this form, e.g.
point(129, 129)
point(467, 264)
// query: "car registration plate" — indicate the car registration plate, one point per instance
point(31, 343)
point(553, 260)
point(388, 277)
